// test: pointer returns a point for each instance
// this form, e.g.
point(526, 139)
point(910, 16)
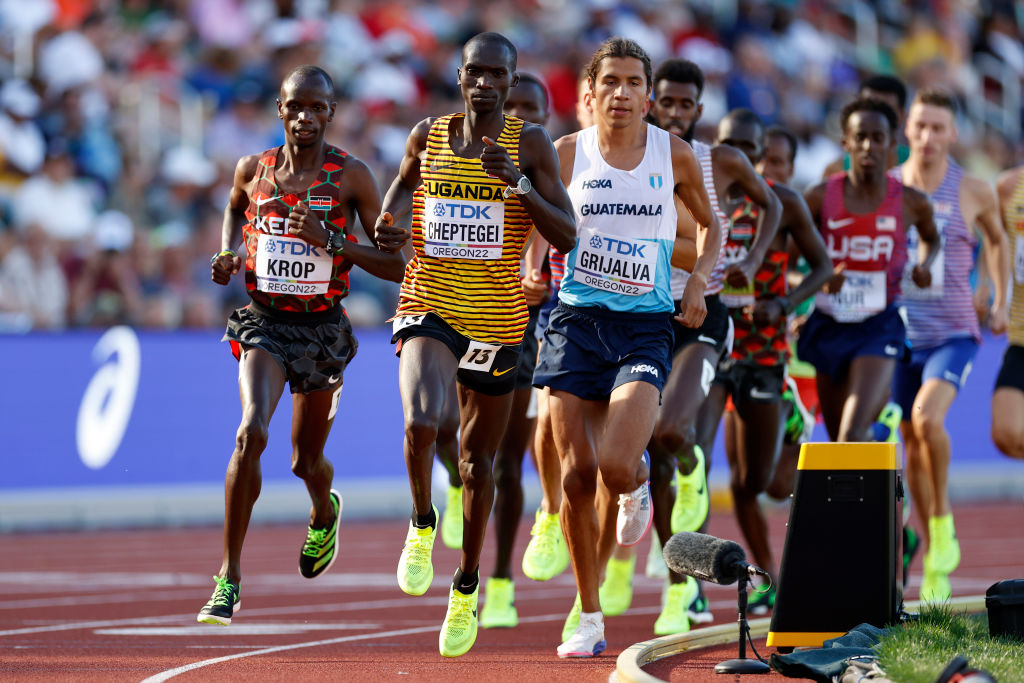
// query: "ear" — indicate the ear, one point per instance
point(515, 79)
point(458, 76)
point(280, 109)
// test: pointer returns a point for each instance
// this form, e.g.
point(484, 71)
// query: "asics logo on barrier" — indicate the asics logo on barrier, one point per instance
point(644, 367)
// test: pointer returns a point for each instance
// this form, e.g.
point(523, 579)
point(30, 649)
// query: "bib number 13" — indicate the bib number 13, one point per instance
point(479, 356)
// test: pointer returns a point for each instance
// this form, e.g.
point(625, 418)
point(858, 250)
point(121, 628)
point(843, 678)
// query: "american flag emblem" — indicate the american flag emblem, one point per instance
point(320, 202)
point(885, 223)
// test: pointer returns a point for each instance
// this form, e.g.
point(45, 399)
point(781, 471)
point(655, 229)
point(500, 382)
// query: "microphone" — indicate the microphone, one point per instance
point(708, 558)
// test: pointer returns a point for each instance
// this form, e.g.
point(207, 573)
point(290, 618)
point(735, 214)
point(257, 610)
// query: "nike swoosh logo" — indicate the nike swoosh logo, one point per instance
point(333, 380)
point(499, 374)
point(835, 225)
point(264, 200)
point(757, 393)
point(706, 340)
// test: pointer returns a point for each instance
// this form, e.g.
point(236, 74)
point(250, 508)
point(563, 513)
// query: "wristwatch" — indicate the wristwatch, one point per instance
point(335, 243)
point(522, 187)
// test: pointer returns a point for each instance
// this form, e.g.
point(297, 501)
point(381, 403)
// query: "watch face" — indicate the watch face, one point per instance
point(524, 185)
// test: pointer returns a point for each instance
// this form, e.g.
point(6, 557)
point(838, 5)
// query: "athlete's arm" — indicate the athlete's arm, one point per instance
point(548, 203)
point(398, 200)
point(535, 287)
point(834, 167)
point(815, 198)
point(995, 247)
point(734, 165)
point(684, 249)
point(224, 265)
point(917, 211)
point(365, 201)
point(689, 188)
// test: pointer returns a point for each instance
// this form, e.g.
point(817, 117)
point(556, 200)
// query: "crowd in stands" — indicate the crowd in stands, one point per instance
point(121, 120)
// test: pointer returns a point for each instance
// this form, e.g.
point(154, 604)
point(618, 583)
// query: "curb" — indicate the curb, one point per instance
point(630, 663)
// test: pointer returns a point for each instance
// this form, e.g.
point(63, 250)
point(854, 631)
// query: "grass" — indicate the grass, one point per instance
point(920, 651)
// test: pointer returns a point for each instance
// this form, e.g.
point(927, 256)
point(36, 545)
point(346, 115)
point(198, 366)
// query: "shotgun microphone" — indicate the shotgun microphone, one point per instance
point(708, 558)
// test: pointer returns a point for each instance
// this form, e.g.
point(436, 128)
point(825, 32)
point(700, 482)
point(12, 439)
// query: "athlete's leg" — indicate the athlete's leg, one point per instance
point(869, 379)
point(929, 425)
point(1007, 425)
point(508, 474)
point(311, 423)
point(447, 443)
point(260, 383)
point(425, 370)
point(545, 456)
point(832, 393)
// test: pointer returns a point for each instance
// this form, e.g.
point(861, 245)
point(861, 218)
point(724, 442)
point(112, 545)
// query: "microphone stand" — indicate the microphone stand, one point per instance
point(742, 665)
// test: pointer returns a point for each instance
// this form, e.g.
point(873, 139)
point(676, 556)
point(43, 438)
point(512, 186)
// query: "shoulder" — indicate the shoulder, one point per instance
point(977, 190)
point(726, 157)
point(915, 198)
point(1007, 182)
point(786, 194)
point(356, 168)
point(247, 166)
point(679, 146)
point(534, 136)
point(816, 193)
point(566, 143)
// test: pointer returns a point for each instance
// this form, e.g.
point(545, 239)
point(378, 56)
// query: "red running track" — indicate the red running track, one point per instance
point(121, 605)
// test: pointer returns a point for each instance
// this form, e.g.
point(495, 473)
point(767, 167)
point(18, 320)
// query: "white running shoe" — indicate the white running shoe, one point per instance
point(635, 513)
point(588, 638)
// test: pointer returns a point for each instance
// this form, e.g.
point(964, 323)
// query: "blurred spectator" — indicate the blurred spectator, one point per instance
point(22, 147)
point(33, 289)
point(105, 291)
point(751, 83)
point(246, 123)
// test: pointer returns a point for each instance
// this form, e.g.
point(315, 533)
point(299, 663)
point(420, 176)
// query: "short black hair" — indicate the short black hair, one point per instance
point(745, 116)
point(493, 37)
point(869, 104)
point(886, 84)
point(617, 46)
point(530, 78)
point(780, 132)
point(681, 71)
point(310, 71)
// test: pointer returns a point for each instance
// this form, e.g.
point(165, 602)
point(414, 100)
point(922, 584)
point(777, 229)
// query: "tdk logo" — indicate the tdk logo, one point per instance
point(644, 367)
point(620, 247)
point(597, 184)
point(462, 211)
point(292, 248)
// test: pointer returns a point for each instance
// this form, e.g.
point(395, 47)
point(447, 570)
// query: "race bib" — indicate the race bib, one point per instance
point(290, 265)
point(619, 265)
point(462, 229)
point(910, 288)
point(406, 321)
point(862, 296)
point(1018, 259)
point(479, 356)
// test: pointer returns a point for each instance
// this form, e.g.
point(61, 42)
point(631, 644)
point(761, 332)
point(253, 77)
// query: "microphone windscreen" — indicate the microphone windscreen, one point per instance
point(704, 557)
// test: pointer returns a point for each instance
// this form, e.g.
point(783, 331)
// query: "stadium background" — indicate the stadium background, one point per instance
point(120, 124)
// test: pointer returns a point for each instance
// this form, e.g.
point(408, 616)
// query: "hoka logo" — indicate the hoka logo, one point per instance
point(597, 184)
point(644, 367)
point(860, 247)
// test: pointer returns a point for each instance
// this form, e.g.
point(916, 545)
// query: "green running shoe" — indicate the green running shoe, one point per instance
point(616, 592)
point(573, 620)
point(458, 631)
point(499, 610)
point(911, 544)
point(225, 601)
point(699, 609)
point(891, 416)
point(800, 423)
point(692, 501)
point(415, 569)
point(451, 521)
point(321, 547)
point(673, 617)
point(546, 555)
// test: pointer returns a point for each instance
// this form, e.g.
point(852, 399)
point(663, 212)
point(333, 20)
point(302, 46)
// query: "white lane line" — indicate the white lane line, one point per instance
point(249, 629)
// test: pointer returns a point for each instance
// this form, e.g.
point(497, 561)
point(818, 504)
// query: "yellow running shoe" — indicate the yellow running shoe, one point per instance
point(691, 506)
point(546, 555)
point(451, 522)
point(415, 570)
point(458, 631)
point(616, 593)
point(943, 548)
point(573, 620)
point(673, 617)
point(935, 587)
point(499, 609)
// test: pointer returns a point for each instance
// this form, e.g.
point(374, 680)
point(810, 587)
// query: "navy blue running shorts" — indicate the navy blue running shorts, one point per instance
point(713, 332)
point(830, 346)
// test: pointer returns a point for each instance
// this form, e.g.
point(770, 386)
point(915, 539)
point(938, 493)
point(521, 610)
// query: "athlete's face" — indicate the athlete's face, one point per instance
point(620, 93)
point(868, 139)
point(677, 107)
point(306, 106)
point(930, 131)
point(746, 137)
point(529, 102)
point(486, 75)
point(776, 165)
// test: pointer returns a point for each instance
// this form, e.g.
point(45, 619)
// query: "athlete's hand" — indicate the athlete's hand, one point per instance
point(535, 288)
point(497, 163)
point(796, 325)
point(741, 274)
point(998, 319)
point(303, 224)
point(922, 276)
point(390, 238)
point(692, 307)
point(767, 312)
point(835, 283)
point(223, 267)
point(982, 301)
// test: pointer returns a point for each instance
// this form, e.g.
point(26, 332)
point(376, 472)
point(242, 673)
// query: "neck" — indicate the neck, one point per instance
point(870, 179)
point(298, 159)
point(477, 124)
point(923, 175)
point(627, 136)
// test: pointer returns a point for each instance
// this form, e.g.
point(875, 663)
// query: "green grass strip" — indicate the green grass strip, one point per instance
point(922, 649)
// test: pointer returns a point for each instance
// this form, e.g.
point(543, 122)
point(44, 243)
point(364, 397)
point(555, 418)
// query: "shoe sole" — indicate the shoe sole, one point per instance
point(461, 651)
point(334, 555)
point(219, 621)
point(499, 624)
point(650, 519)
point(598, 649)
point(700, 617)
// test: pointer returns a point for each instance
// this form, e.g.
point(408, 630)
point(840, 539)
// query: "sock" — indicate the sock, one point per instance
point(466, 583)
point(592, 617)
point(424, 521)
point(880, 432)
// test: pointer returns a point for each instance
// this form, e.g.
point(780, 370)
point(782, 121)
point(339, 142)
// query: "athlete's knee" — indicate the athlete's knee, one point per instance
point(749, 486)
point(579, 481)
point(1009, 439)
point(421, 432)
point(672, 437)
point(928, 425)
point(619, 476)
point(663, 469)
point(305, 466)
point(476, 472)
point(252, 437)
point(508, 471)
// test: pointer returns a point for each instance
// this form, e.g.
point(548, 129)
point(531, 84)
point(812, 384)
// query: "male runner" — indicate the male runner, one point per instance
point(676, 107)
point(890, 90)
point(293, 206)
point(607, 349)
point(942, 325)
point(487, 179)
point(1008, 399)
point(855, 334)
point(527, 101)
point(753, 374)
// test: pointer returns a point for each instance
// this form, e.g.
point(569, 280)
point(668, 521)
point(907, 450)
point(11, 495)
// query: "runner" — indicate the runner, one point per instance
point(606, 351)
point(292, 205)
point(942, 325)
point(753, 375)
point(893, 92)
point(855, 335)
point(678, 87)
point(1008, 399)
point(461, 313)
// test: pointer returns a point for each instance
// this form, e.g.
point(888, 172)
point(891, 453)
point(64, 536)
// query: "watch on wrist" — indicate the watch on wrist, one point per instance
point(335, 243)
point(521, 187)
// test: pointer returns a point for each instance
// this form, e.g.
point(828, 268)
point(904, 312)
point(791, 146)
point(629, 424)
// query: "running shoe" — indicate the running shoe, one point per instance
point(616, 592)
point(911, 544)
point(763, 602)
point(891, 416)
point(635, 513)
point(673, 617)
point(225, 601)
point(321, 547)
point(656, 567)
point(587, 640)
point(546, 555)
point(573, 620)
point(800, 423)
point(458, 631)
point(943, 548)
point(499, 610)
point(699, 610)
point(692, 501)
point(935, 586)
point(451, 521)
point(415, 569)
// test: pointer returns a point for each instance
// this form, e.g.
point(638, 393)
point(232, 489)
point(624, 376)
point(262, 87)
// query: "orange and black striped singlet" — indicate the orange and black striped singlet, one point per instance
point(468, 240)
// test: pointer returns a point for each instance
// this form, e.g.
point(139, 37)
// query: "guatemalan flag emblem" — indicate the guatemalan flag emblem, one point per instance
point(655, 180)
